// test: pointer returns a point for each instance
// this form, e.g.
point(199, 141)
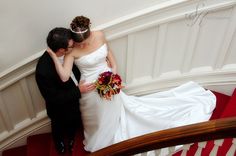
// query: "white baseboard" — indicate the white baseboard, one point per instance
point(18, 136)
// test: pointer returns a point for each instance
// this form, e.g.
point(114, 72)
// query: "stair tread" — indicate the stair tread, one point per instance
point(78, 147)
point(222, 102)
point(230, 110)
point(53, 151)
point(227, 111)
point(38, 145)
point(17, 151)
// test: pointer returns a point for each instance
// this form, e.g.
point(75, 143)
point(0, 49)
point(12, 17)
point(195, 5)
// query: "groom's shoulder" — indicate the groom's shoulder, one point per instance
point(43, 61)
point(44, 57)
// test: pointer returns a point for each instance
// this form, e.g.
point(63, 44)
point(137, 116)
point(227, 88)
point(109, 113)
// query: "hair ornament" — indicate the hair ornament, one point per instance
point(79, 32)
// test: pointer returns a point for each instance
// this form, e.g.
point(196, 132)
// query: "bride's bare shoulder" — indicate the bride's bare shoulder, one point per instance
point(98, 33)
point(75, 53)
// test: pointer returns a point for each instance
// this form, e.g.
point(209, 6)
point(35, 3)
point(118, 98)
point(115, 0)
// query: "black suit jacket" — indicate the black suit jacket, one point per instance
point(62, 98)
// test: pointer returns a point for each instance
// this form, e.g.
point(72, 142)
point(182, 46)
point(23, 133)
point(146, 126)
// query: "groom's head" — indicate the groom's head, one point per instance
point(60, 40)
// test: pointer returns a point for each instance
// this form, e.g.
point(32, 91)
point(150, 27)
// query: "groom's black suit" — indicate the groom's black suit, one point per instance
point(62, 98)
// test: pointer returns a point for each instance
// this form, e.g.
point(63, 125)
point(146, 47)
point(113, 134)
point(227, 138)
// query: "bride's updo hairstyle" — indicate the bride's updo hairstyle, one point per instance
point(80, 27)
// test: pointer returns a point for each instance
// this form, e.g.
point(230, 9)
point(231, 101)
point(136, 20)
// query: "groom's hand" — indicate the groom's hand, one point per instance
point(86, 87)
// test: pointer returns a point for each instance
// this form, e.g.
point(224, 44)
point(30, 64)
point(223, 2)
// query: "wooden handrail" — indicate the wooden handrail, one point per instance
point(204, 131)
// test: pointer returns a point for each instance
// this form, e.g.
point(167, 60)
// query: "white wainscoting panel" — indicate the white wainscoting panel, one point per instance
point(211, 35)
point(16, 106)
point(37, 100)
point(2, 124)
point(119, 48)
point(231, 57)
point(27, 98)
point(143, 53)
point(228, 37)
point(6, 120)
point(230, 45)
point(174, 46)
point(160, 43)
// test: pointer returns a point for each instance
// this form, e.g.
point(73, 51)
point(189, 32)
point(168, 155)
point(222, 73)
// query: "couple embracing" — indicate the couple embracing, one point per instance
point(65, 75)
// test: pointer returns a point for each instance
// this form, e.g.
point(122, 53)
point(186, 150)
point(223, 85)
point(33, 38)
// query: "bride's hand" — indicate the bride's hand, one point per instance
point(86, 87)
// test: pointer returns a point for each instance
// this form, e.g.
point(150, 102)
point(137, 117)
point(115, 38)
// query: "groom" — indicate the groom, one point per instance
point(61, 98)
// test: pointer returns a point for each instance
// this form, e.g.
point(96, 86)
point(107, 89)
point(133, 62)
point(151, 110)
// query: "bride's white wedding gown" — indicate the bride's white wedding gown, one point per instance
point(108, 122)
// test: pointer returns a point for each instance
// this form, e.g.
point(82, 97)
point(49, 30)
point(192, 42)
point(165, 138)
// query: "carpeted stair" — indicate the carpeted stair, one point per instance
point(42, 145)
point(225, 107)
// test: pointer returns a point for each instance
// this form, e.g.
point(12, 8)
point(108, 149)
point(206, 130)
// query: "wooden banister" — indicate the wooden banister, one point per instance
point(210, 130)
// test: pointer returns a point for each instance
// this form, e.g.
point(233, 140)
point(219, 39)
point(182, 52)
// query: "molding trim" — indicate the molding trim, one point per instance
point(218, 78)
point(23, 130)
point(119, 21)
point(155, 16)
point(19, 71)
point(22, 63)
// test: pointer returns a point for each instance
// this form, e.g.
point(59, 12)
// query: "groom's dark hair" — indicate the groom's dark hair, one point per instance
point(58, 38)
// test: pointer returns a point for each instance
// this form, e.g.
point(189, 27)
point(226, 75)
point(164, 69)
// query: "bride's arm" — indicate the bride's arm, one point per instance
point(110, 56)
point(111, 59)
point(63, 70)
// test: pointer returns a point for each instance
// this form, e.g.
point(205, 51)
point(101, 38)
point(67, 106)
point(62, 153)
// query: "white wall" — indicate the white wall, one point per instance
point(25, 24)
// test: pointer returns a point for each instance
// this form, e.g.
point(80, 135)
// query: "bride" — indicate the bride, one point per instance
point(108, 122)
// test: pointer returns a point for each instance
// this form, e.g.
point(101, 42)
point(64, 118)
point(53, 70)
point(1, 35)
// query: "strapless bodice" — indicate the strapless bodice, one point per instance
point(93, 64)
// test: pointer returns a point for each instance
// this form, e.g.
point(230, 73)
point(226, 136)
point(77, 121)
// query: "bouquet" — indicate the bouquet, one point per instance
point(108, 84)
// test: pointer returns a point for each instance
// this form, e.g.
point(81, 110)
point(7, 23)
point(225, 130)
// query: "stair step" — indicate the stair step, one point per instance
point(79, 146)
point(221, 103)
point(209, 147)
point(230, 110)
point(38, 145)
point(17, 151)
point(53, 152)
point(225, 147)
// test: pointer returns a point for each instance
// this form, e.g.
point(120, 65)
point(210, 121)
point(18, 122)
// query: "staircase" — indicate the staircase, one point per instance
point(225, 107)
point(42, 145)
